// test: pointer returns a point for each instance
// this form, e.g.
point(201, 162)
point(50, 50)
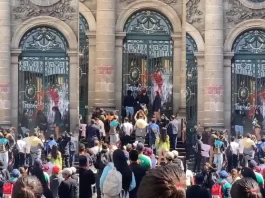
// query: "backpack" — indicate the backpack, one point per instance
point(112, 185)
point(122, 131)
point(2, 178)
point(8, 189)
point(101, 161)
point(217, 190)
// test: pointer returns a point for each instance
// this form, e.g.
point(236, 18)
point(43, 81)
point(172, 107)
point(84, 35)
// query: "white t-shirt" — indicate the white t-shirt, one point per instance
point(189, 177)
point(234, 147)
point(26, 140)
point(21, 145)
point(95, 150)
point(241, 146)
point(127, 127)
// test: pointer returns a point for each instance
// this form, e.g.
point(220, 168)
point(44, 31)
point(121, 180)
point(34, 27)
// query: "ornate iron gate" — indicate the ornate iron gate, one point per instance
point(248, 75)
point(148, 57)
point(83, 67)
point(43, 75)
point(191, 83)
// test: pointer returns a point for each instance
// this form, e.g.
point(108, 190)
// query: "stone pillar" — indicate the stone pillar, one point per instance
point(91, 72)
point(118, 69)
point(177, 75)
point(200, 103)
point(227, 91)
point(213, 68)
point(5, 63)
point(105, 54)
point(73, 88)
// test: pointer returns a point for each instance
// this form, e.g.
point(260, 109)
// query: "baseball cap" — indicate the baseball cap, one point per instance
point(223, 174)
point(15, 173)
point(252, 164)
point(55, 169)
point(140, 147)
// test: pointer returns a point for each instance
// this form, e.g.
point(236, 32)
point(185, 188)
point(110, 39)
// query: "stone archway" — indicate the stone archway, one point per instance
point(72, 52)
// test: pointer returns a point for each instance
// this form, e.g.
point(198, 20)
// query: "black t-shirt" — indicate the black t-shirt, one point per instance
point(196, 191)
point(87, 178)
point(139, 172)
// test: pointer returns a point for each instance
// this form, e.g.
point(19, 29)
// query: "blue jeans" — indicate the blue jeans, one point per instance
point(173, 141)
point(129, 111)
point(218, 161)
point(239, 130)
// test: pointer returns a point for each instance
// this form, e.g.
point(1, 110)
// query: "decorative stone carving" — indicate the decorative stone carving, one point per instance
point(194, 15)
point(128, 1)
point(238, 12)
point(169, 1)
point(44, 2)
point(61, 10)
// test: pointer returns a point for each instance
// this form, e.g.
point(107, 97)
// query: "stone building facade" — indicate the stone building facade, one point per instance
point(225, 60)
point(132, 45)
point(39, 60)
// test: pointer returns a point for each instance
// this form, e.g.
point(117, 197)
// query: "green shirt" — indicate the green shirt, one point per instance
point(46, 177)
point(145, 161)
point(259, 178)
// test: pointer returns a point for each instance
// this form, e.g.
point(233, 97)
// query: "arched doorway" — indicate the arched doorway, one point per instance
point(191, 82)
point(43, 75)
point(83, 66)
point(148, 57)
point(248, 75)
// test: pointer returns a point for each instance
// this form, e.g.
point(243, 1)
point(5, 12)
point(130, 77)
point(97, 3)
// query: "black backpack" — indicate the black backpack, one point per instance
point(102, 159)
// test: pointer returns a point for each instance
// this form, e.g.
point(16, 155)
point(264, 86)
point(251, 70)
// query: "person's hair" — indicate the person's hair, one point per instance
point(126, 119)
point(54, 152)
point(27, 134)
point(128, 147)
point(240, 136)
point(105, 146)
point(157, 93)
point(38, 172)
point(27, 187)
point(232, 139)
point(165, 181)
point(82, 147)
point(263, 139)
point(248, 172)
point(245, 188)
point(129, 92)
point(55, 108)
point(172, 117)
point(51, 137)
point(19, 137)
point(92, 121)
point(153, 120)
point(133, 155)
point(163, 134)
point(248, 135)
point(1, 135)
point(120, 163)
point(199, 136)
point(35, 134)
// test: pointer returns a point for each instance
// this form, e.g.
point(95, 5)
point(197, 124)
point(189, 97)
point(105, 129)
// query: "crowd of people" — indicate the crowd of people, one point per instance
point(235, 168)
point(33, 167)
point(130, 158)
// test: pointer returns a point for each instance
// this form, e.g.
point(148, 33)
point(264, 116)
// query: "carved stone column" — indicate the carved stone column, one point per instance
point(5, 63)
point(178, 84)
point(213, 68)
point(200, 69)
point(118, 69)
point(227, 91)
point(105, 54)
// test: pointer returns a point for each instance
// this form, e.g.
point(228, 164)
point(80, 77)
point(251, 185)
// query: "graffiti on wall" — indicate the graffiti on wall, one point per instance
point(105, 70)
point(214, 90)
point(4, 88)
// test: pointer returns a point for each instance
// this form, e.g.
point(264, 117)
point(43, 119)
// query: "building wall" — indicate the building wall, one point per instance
point(106, 91)
point(237, 17)
point(61, 15)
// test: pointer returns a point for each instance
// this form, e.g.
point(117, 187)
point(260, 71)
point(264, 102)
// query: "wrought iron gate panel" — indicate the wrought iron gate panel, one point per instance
point(148, 57)
point(148, 64)
point(248, 75)
point(83, 67)
point(191, 83)
point(43, 75)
